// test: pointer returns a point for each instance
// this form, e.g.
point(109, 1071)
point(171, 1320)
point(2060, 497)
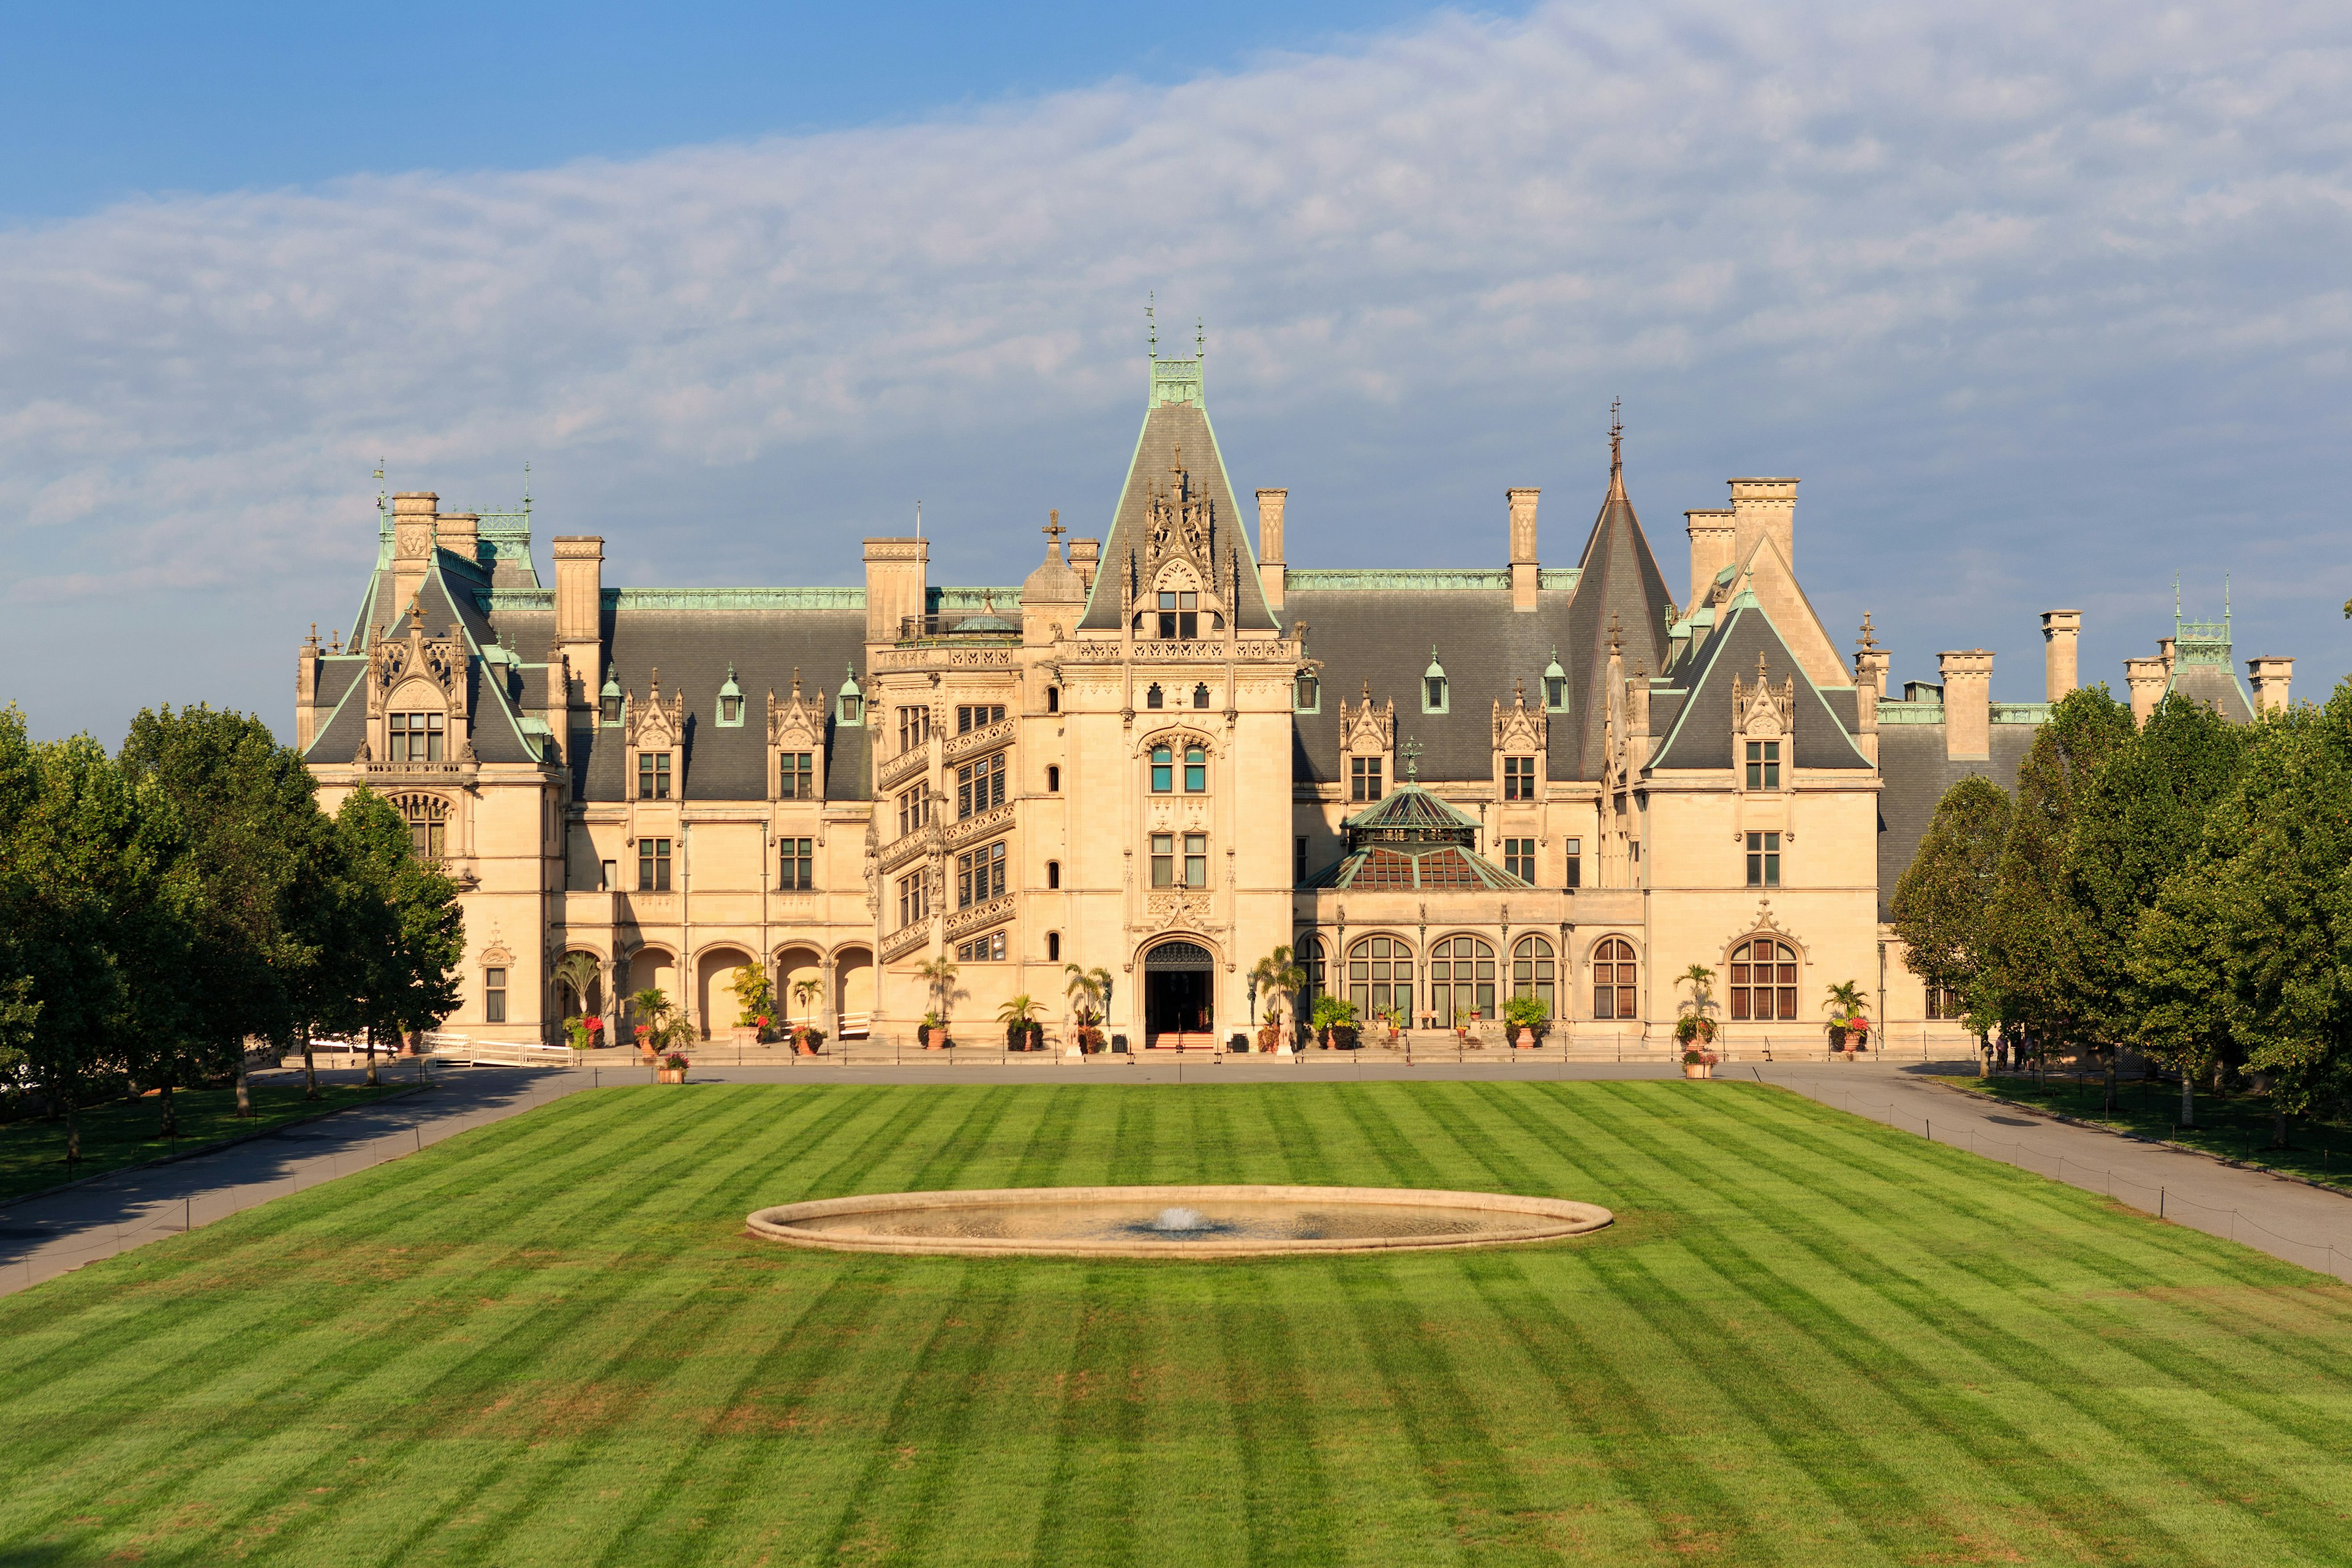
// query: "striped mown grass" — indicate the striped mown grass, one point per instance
point(1808, 1340)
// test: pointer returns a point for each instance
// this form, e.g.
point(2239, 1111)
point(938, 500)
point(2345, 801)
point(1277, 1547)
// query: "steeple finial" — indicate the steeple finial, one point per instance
point(1200, 339)
point(1053, 530)
point(1152, 321)
point(1616, 436)
point(1411, 751)
point(1615, 637)
point(1869, 636)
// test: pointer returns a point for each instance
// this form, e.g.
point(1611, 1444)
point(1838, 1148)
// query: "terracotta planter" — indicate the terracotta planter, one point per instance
point(802, 1046)
point(647, 1054)
point(1527, 1038)
point(671, 1075)
point(934, 1039)
point(1698, 1069)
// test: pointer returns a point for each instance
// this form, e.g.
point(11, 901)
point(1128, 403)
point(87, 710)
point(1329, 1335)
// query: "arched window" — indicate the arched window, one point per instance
point(1309, 954)
point(1196, 770)
point(1201, 695)
point(1460, 979)
point(1053, 781)
point(1763, 981)
point(1052, 947)
point(427, 817)
point(1613, 979)
point(1532, 971)
point(1052, 874)
point(1379, 976)
point(1152, 695)
point(1053, 700)
point(1163, 763)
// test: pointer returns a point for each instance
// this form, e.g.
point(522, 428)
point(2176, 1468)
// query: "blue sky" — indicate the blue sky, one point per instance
point(2044, 304)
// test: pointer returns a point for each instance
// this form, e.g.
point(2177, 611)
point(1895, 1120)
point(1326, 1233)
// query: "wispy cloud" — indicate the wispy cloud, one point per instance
point(2040, 299)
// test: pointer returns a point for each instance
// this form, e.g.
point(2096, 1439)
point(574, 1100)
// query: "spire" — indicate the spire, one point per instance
point(1616, 451)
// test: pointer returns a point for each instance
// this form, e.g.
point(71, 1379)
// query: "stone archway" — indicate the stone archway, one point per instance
point(715, 1007)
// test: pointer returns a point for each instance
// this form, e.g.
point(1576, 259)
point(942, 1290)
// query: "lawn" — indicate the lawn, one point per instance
point(1809, 1339)
point(123, 1132)
point(2235, 1126)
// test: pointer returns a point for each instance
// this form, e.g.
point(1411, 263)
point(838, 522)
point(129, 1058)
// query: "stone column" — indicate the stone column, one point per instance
point(1270, 568)
point(2146, 678)
point(2269, 678)
point(1526, 571)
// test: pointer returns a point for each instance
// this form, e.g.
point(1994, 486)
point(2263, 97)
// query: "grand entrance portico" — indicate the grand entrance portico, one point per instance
point(1179, 996)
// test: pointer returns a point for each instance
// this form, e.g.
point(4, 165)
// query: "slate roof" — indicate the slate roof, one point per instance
point(2214, 684)
point(1915, 774)
point(1383, 636)
point(1620, 582)
point(1702, 734)
point(1169, 427)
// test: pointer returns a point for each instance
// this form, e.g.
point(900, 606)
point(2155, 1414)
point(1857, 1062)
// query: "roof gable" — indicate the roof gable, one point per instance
point(1702, 732)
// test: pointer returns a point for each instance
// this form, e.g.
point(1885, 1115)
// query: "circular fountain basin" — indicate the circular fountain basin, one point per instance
point(1173, 1221)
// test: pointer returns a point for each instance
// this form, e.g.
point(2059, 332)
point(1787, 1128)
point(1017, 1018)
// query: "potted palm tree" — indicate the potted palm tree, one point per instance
point(1527, 1015)
point(1848, 1027)
point(1335, 1022)
point(1022, 1031)
point(1085, 989)
point(939, 974)
point(576, 971)
point(654, 1013)
point(806, 1036)
point(1279, 976)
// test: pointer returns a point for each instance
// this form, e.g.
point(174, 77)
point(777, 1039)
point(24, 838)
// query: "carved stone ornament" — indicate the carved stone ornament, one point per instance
point(1179, 522)
point(654, 725)
point(1758, 710)
point(1516, 730)
point(796, 724)
point(441, 661)
point(1368, 727)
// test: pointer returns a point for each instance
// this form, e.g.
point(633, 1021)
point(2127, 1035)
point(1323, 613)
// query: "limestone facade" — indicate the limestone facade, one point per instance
point(1164, 754)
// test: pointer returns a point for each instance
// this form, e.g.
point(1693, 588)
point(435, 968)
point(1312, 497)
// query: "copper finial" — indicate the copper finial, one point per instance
point(1616, 433)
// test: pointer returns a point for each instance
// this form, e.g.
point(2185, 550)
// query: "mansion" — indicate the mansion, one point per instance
point(1167, 753)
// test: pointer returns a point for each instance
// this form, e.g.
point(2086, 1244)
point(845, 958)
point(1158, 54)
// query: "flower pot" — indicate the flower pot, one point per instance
point(934, 1039)
point(670, 1075)
point(1526, 1041)
point(647, 1054)
point(1698, 1069)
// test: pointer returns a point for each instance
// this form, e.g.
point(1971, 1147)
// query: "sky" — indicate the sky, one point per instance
point(2045, 304)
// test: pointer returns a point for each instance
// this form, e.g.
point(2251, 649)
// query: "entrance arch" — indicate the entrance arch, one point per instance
point(1178, 992)
point(796, 967)
point(853, 991)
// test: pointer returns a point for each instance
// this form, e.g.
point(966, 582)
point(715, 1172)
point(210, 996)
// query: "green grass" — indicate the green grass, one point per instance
point(1809, 1339)
point(2235, 1126)
point(123, 1132)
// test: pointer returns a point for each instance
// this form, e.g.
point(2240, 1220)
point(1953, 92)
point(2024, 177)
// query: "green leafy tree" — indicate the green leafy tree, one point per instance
point(1087, 989)
point(1943, 902)
point(1279, 978)
point(253, 832)
point(2248, 948)
point(401, 931)
point(2032, 939)
point(939, 975)
point(94, 860)
point(2137, 822)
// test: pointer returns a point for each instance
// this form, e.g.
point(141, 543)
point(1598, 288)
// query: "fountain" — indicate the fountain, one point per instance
point(1173, 1221)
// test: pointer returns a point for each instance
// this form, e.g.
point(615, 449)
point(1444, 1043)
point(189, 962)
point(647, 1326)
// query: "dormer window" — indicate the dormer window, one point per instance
point(1555, 685)
point(1432, 686)
point(608, 704)
point(1306, 693)
point(1763, 764)
point(415, 737)
point(850, 707)
point(730, 701)
point(653, 776)
point(1179, 616)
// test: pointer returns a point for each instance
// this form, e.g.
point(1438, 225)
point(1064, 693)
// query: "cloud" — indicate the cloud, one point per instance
point(2041, 298)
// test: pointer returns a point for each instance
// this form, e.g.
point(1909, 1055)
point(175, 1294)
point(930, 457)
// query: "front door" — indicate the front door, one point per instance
point(1176, 1002)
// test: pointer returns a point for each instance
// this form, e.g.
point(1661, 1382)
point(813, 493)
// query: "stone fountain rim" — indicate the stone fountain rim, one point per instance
point(779, 1223)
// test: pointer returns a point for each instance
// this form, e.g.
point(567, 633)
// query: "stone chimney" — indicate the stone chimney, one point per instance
point(2164, 654)
point(896, 578)
point(1764, 508)
point(2060, 630)
point(460, 535)
point(579, 620)
point(1711, 541)
point(2269, 678)
point(1269, 546)
point(306, 690)
point(1086, 556)
point(414, 519)
point(1968, 703)
point(1527, 573)
point(2146, 679)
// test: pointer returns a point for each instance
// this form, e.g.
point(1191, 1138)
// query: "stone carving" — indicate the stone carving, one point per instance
point(1181, 521)
point(653, 725)
point(1518, 731)
point(797, 724)
point(1180, 907)
point(1368, 727)
point(1760, 711)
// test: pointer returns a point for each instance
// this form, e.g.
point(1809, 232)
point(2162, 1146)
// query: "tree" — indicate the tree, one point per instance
point(1942, 902)
point(99, 929)
point(2031, 936)
point(2249, 946)
point(1087, 989)
point(939, 974)
point(253, 830)
point(403, 932)
point(2139, 819)
point(1694, 1023)
point(1280, 974)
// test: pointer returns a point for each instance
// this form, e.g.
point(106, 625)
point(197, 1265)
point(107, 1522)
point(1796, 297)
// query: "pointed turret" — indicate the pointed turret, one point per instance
point(1620, 583)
